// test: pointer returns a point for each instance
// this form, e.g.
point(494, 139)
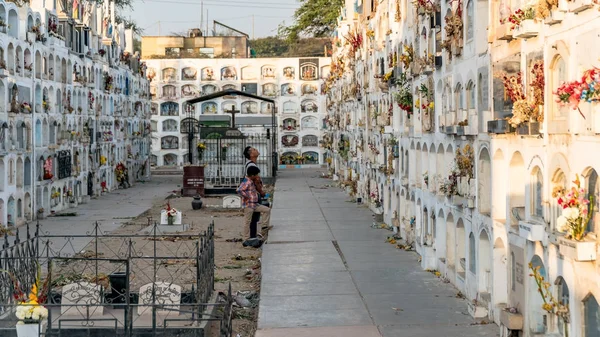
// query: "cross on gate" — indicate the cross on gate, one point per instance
point(233, 111)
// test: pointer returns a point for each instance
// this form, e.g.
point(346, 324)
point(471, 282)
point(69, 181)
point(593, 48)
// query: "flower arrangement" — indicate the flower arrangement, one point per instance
point(404, 97)
point(426, 6)
point(588, 90)
point(55, 195)
point(30, 310)
point(388, 76)
point(543, 8)
point(48, 169)
point(25, 107)
point(355, 40)
point(407, 56)
point(108, 81)
point(370, 33)
point(551, 304)
point(171, 212)
point(453, 28)
point(538, 83)
point(426, 178)
point(374, 196)
point(121, 173)
point(520, 15)
point(577, 210)
point(102, 160)
point(201, 147)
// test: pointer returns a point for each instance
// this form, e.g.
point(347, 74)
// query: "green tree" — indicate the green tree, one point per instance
point(278, 47)
point(314, 18)
point(269, 47)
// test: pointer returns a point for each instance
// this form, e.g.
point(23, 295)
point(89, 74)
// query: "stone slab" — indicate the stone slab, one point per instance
point(308, 288)
point(340, 331)
point(313, 318)
point(295, 215)
point(452, 330)
point(308, 303)
point(306, 267)
point(307, 277)
point(305, 234)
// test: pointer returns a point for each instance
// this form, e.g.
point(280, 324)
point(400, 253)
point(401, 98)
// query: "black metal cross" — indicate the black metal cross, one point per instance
point(233, 111)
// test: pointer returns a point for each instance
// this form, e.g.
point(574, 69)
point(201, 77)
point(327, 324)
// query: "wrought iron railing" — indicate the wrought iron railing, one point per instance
point(115, 284)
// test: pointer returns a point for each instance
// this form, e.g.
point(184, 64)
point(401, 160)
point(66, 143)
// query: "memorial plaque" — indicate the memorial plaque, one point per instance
point(232, 201)
point(82, 299)
point(166, 296)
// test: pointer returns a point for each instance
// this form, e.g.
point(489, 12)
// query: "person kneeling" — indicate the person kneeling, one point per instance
point(251, 204)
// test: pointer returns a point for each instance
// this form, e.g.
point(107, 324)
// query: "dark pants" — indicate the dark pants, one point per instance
point(254, 224)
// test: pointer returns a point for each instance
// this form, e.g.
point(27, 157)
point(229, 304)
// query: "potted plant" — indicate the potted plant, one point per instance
point(171, 214)
point(577, 212)
point(30, 311)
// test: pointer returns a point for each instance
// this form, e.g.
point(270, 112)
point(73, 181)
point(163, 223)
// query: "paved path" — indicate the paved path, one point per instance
point(326, 273)
point(111, 210)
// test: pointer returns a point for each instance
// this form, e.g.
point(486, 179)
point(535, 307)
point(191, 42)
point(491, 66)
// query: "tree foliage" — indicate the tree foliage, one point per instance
point(314, 18)
point(277, 47)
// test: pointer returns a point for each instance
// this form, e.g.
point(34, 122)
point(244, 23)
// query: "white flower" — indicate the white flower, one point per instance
point(20, 314)
point(43, 313)
point(562, 224)
point(571, 213)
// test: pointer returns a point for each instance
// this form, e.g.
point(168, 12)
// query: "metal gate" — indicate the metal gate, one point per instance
point(224, 156)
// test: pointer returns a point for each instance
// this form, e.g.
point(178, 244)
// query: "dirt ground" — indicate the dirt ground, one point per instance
point(233, 263)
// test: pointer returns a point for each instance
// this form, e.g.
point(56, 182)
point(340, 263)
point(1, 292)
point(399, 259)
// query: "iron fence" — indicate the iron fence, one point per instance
point(145, 284)
point(224, 160)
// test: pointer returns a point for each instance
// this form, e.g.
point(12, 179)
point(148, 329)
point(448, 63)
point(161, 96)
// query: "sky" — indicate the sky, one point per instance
point(164, 17)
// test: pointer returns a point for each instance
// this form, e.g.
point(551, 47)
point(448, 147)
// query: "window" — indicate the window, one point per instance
point(11, 174)
point(459, 101)
point(592, 317)
point(513, 272)
point(470, 95)
point(472, 254)
point(470, 20)
point(537, 181)
point(563, 298)
point(559, 75)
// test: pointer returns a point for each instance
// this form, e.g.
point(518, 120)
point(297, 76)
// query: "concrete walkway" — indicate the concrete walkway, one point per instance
point(327, 273)
point(111, 210)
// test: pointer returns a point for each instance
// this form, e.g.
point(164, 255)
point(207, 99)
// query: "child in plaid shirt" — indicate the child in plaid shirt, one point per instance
point(250, 200)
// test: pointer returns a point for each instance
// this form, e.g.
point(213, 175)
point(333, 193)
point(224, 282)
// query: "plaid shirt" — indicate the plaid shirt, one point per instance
point(248, 192)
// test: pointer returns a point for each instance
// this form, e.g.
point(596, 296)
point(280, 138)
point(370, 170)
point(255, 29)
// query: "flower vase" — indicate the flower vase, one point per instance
point(28, 330)
point(170, 220)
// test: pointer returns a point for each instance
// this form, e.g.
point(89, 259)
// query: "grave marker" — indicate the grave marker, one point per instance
point(167, 296)
point(164, 219)
point(82, 299)
point(232, 201)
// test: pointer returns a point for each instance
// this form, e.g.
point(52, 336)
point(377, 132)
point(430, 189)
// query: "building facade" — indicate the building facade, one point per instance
point(443, 117)
point(294, 84)
point(74, 104)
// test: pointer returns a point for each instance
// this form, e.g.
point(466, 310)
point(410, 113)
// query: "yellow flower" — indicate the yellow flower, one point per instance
point(431, 105)
point(547, 306)
point(417, 102)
